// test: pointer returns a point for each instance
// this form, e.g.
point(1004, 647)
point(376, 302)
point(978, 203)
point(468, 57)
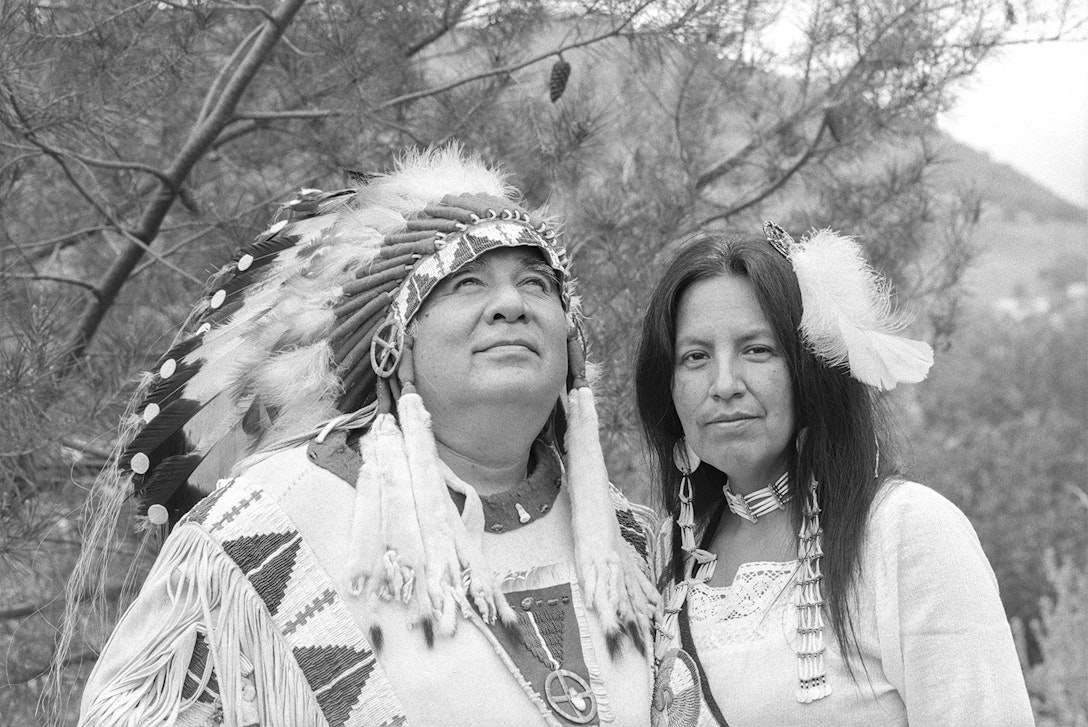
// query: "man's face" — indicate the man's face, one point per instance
point(494, 331)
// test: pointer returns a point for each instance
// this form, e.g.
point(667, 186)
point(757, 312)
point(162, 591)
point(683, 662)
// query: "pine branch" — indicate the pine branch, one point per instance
point(451, 16)
point(771, 188)
point(53, 279)
point(247, 122)
point(508, 69)
point(92, 161)
point(201, 139)
point(68, 237)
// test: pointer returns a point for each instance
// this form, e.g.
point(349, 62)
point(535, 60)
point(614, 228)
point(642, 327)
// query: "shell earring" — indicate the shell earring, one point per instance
point(687, 462)
point(685, 458)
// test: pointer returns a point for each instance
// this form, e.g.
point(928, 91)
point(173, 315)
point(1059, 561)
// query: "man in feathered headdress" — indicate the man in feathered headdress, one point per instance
point(422, 531)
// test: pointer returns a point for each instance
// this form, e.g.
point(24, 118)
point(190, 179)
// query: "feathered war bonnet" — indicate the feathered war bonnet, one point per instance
point(305, 332)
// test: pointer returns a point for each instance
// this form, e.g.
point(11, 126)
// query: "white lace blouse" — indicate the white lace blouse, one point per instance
point(936, 645)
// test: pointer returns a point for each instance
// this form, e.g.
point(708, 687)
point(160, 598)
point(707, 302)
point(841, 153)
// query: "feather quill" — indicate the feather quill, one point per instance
point(847, 318)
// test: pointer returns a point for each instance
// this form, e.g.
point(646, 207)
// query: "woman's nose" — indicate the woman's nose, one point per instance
point(728, 380)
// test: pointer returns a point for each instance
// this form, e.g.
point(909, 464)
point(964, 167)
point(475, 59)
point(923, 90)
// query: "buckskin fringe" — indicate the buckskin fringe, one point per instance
point(206, 591)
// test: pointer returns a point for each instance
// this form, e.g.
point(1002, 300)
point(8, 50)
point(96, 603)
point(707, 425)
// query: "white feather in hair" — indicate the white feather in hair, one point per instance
point(847, 317)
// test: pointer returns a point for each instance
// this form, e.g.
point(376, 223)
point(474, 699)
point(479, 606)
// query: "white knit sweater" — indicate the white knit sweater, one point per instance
point(936, 644)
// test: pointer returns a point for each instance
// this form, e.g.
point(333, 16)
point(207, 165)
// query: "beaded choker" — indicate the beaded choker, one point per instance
point(752, 506)
point(526, 502)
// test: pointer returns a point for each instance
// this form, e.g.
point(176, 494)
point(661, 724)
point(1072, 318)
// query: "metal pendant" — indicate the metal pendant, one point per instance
point(570, 696)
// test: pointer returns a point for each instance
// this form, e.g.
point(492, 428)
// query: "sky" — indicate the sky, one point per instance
point(1028, 107)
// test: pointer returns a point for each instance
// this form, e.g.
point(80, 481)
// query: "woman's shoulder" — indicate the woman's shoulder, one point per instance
point(905, 504)
point(910, 522)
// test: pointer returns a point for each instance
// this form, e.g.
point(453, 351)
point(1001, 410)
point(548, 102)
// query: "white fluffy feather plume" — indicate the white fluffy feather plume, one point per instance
point(426, 176)
point(847, 317)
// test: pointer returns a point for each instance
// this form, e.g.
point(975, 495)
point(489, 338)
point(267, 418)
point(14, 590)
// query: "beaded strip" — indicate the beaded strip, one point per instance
point(699, 564)
point(811, 669)
point(762, 501)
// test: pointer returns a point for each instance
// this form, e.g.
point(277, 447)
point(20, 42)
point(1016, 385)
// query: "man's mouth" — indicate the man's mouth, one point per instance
point(510, 343)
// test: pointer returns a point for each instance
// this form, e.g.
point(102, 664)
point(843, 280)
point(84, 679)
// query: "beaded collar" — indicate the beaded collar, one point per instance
point(527, 501)
point(758, 503)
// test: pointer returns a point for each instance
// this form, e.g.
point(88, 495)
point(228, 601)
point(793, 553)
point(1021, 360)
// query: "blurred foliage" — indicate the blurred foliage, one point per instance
point(118, 195)
point(1001, 432)
point(1057, 681)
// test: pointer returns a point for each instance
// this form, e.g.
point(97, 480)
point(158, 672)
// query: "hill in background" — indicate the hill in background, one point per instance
point(1032, 240)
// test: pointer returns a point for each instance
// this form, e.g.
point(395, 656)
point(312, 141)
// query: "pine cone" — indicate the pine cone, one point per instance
point(557, 82)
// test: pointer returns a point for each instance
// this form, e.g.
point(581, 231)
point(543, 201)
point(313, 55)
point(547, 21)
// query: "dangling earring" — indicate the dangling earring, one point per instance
point(698, 563)
point(687, 462)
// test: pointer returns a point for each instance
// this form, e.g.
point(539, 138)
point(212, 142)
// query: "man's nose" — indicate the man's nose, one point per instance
point(507, 303)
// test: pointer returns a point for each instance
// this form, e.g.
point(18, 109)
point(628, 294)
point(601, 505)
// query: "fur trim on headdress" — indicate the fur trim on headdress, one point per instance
point(614, 585)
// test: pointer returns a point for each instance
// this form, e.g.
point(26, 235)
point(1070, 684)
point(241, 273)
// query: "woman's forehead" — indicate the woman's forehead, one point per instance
point(721, 303)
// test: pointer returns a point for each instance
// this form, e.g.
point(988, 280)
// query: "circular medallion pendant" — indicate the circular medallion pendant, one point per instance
point(570, 696)
point(677, 698)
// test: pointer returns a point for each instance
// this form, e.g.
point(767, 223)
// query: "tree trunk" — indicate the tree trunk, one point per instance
point(203, 135)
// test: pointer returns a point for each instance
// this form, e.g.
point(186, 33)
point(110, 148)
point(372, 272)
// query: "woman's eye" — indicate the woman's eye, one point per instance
point(761, 353)
point(693, 358)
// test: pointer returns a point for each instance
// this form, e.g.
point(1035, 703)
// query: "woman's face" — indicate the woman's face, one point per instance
point(731, 385)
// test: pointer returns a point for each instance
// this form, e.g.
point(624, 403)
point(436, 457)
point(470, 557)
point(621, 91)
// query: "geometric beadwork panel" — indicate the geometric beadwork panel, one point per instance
point(271, 580)
point(252, 550)
point(331, 652)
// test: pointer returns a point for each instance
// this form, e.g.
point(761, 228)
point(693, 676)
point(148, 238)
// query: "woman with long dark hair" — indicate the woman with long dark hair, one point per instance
point(807, 583)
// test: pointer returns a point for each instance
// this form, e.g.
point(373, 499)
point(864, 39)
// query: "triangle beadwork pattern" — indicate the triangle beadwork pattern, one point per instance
point(331, 651)
point(252, 550)
point(271, 580)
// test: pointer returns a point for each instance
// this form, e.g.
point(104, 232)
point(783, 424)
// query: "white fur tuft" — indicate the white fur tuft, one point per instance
point(426, 176)
point(614, 586)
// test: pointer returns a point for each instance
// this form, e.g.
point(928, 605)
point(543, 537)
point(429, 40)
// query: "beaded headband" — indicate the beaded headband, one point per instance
point(449, 236)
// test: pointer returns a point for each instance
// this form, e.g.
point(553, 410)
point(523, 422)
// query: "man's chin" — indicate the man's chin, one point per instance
point(518, 380)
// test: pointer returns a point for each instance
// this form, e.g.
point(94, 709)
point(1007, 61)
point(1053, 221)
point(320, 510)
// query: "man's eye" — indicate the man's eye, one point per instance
point(466, 282)
point(543, 282)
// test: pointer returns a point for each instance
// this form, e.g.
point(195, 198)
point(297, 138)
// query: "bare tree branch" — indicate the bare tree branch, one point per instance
point(61, 239)
point(200, 141)
point(504, 70)
point(279, 115)
point(116, 224)
point(247, 122)
point(771, 188)
point(213, 93)
point(95, 27)
point(451, 16)
point(739, 157)
point(247, 9)
point(53, 279)
point(208, 230)
point(91, 161)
